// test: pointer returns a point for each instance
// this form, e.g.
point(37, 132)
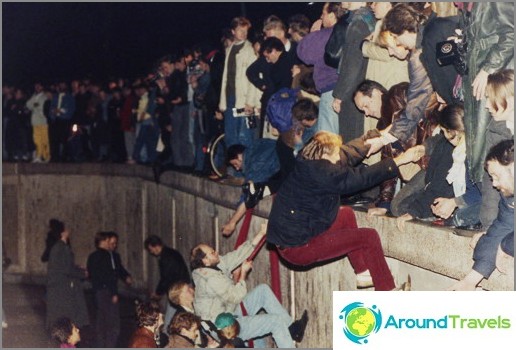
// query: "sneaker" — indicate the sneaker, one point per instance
point(298, 327)
point(364, 281)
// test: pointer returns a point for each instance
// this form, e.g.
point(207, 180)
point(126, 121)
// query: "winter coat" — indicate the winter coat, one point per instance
point(215, 291)
point(490, 36)
point(65, 297)
point(246, 93)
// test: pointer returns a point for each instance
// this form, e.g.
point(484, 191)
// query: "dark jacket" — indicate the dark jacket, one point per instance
point(419, 91)
point(308, 201)
point(102, 273)
point(142, 338)
point(65, 296)
point(172, 269)
point(352, 70)
point(393, 104)
point(490, 36)
point(485, 251)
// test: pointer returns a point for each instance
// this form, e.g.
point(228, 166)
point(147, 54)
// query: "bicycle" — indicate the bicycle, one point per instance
point(217, 155)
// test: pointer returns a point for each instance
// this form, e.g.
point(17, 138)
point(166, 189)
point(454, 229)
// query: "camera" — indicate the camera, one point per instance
point(451, 52)
point(239, 112)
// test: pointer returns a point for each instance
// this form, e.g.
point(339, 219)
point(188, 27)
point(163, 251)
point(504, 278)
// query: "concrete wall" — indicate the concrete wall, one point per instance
point(186, 210)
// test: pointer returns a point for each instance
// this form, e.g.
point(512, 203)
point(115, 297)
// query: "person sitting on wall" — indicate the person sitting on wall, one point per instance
point(500, 166)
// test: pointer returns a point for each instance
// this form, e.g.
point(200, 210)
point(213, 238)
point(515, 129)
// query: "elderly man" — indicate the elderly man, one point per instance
point(216, 292)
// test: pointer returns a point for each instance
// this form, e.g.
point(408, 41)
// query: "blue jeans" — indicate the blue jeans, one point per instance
point(169, 313)
point(147, 138)
point(275, 321)
point(235, 129)
point(328, 118)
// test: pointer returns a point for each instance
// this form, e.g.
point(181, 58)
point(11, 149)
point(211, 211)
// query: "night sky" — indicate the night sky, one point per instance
point(51, 41)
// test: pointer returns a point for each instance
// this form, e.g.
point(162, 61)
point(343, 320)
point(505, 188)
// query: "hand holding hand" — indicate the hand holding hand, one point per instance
point(376, 145)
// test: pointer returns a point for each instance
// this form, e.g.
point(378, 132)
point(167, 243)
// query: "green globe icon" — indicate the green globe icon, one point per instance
point(360, 322)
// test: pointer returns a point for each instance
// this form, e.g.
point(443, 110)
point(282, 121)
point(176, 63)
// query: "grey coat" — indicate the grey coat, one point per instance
point(65, 297)
point(215, 291)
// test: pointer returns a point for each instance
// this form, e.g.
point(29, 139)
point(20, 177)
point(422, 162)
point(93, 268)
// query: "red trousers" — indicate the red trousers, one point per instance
point(362, 246)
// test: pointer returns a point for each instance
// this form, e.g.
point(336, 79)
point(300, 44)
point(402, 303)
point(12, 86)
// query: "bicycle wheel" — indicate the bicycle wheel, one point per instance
point(217, 154)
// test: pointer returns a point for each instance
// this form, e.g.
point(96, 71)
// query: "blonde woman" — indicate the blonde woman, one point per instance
point(306, 222)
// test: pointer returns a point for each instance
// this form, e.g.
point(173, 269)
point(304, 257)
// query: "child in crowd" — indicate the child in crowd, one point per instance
point(228, 330)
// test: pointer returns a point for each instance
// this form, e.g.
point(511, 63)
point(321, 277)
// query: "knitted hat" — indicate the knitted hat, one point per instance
point(224, 320)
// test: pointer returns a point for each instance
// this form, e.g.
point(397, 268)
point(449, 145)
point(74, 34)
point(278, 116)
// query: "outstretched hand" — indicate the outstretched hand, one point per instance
point(228, 229)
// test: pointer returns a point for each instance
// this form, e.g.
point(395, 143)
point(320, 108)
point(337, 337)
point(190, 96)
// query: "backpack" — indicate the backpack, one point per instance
point(279, 108)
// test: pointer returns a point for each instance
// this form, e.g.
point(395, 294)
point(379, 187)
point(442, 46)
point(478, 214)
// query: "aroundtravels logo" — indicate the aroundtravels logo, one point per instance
point(360, 321)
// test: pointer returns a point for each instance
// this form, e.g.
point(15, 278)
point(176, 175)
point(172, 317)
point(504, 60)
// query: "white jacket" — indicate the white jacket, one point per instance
point(35, 105)
point(246, 93)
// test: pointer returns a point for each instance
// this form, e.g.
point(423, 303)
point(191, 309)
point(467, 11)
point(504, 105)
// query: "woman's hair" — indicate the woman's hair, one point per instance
point(452, 117)
point(385, 39)
point(322, 143)
point(183, 320)
point(174, 292)
point(500, 87)
point(147, 314)
point(62, 330)
point(401, 18)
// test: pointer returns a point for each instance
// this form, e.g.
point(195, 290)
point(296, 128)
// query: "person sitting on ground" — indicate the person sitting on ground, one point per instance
point(182, 295)
point(65, 333)
point(183, 330)
point(500, 166)
point(305, 222)
point(150, 320)
point(447, 192)
point(217, 292)
point(228, 330)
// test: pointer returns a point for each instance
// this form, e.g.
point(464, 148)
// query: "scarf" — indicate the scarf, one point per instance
point(457, 173)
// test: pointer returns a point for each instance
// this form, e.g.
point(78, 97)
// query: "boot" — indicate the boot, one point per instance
point(298, 327)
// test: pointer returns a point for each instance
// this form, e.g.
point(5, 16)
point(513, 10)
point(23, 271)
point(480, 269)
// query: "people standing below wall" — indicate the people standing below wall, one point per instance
point(65, 297)
point(172, 269)
point(65, 333)
point(54, 235)
point(105, 269)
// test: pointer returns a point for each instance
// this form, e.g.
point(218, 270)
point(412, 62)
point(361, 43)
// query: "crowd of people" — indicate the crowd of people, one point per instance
point(383, 104)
